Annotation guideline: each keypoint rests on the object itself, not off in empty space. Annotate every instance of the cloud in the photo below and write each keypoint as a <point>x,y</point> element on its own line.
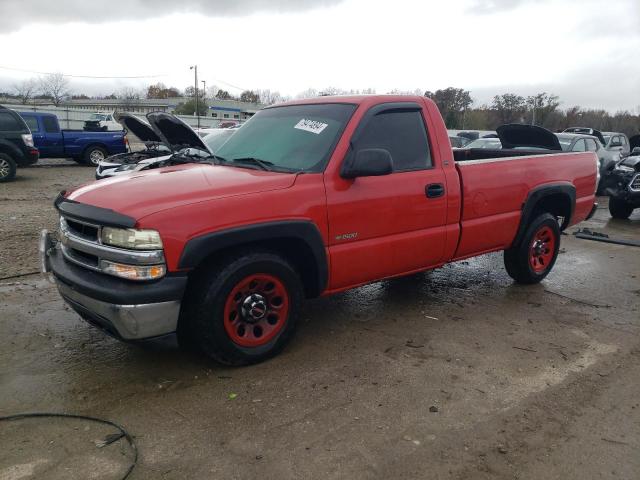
<point>497,6</point>
<point>15,14</point>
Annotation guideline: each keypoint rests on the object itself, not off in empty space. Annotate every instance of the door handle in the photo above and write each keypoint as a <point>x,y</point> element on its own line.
<point>434,190</point>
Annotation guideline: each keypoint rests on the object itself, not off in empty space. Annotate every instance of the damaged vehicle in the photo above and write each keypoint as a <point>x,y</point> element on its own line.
<point>167,138</point>
<point>154,147</point>
<point>622,185</point>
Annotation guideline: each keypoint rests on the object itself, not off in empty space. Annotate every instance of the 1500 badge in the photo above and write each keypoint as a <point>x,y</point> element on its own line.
<point>347,236</point>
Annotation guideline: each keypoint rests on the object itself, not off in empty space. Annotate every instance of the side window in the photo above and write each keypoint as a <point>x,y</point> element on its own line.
<point>32,123</point>
<point>623,140</point>
<point>50,125</point>
<point>8,123</point>
<point>403,134</point>
<point>579,146</point>
<point>591,145</point>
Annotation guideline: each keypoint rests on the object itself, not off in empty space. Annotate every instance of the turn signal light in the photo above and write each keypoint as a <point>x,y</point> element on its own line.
<point>133,272</point>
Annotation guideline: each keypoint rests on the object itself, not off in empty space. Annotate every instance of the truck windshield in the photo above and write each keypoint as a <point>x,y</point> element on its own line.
<point>296,138</point>
<point>98,117</point>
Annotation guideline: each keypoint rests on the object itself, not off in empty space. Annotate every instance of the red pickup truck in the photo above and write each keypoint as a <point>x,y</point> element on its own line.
<point>308,198</point>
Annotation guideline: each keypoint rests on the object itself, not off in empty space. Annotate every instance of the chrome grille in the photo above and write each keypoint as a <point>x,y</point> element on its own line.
<point>83,230</point>
<point>81,244</point>
<point>635,183</point>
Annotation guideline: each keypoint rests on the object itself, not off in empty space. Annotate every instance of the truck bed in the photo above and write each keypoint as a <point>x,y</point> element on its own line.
<point>494,190</point>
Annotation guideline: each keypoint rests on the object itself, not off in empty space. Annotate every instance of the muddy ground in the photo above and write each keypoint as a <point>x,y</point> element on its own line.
<point>453,374</point>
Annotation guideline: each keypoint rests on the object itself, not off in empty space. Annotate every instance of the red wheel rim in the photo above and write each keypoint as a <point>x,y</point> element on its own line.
<point>256,310</point>
<point>542,249</point>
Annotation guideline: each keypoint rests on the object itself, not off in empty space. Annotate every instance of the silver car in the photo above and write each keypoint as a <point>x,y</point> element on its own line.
<point>617,142</point>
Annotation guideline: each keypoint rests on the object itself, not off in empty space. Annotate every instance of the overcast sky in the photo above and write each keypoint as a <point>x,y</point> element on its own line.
<point>586,51</point>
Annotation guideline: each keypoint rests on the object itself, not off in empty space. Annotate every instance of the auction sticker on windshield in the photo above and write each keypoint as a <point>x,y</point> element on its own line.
<point>312,126</point>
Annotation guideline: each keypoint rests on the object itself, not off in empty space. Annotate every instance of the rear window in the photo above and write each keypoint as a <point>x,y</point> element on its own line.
<point>403,134</point>
<point>10,123</point>
<point>32,123</point>
<point>50,125</point>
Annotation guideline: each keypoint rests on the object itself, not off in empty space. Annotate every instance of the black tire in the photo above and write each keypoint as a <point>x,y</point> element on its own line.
<point>619,208</point>
<point>93,155</point>
<point>7,168</point>
<point>202,322</point>
<point>520,259</point>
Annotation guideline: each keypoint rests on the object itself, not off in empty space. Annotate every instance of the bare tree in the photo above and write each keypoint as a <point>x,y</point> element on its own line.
<point>308,93</point>
<point>55,86</point>
<point>129,96</point>
<point>25,90</point>
<point>269,97</point>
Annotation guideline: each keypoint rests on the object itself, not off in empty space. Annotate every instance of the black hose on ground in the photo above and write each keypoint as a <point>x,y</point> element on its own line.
<point>123,432</point>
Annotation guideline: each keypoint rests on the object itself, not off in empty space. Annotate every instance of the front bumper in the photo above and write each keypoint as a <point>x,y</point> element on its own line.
<point>124,309</point>
<point>30,157</point>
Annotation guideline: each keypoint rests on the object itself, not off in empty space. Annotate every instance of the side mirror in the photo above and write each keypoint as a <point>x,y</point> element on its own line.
<point>368,162</point>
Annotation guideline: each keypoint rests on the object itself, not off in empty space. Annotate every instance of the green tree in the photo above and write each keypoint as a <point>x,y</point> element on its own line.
<point>223,95</point>
<point>189,107</point>
<point>452,102</point>
<point>543,105</point>
<point>249,96</point>
<point>509,108</point>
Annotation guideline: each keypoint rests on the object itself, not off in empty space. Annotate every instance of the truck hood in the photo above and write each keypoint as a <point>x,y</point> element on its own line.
<point>146,192</point>
<point>140,129</point>
<point>517,135</point>
<point>632,162</point>
<point>174,132</point>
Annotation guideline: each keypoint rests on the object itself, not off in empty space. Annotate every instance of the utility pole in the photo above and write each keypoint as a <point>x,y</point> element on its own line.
<point>195,69</point>
<point>533,116</point>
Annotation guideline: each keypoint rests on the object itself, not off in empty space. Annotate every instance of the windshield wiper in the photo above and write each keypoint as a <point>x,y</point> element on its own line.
<point>263,164</point>
<point>189,157</point>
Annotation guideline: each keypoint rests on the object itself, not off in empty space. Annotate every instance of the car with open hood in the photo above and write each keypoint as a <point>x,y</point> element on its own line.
<point>154,147</point>
<point>172,139</point>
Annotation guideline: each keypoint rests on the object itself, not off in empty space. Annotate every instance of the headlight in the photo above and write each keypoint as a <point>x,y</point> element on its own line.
<point>126,167</point>
<point>132,238</point>
<point>133,272</point>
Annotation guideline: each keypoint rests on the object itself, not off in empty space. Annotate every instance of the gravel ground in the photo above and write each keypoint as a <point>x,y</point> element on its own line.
<point>453,374</point>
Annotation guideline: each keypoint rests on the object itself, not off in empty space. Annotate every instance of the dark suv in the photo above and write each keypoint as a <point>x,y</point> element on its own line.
<point>16,144</point>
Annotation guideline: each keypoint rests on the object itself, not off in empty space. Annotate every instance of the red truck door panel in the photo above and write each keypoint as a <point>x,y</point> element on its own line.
<point>391,224</point>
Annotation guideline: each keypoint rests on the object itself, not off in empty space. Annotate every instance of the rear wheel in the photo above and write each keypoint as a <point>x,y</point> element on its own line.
<point>94,155</point>
<point>7,168</point>
<point>619,208</point>
<point>243,310</point>
<point>532,260</point>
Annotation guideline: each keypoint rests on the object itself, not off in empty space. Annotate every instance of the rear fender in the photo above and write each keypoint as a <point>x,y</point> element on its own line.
<point>558,199</point>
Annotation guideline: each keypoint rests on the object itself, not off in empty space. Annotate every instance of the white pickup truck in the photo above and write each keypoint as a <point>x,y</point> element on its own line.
<point>101,122</point>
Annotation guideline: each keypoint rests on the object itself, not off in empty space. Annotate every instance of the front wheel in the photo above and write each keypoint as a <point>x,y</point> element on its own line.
<point>243,310</point>
<point>7,168</point>
<point>532,260</point>
<point>94,155</point>
<point>619,208</point>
